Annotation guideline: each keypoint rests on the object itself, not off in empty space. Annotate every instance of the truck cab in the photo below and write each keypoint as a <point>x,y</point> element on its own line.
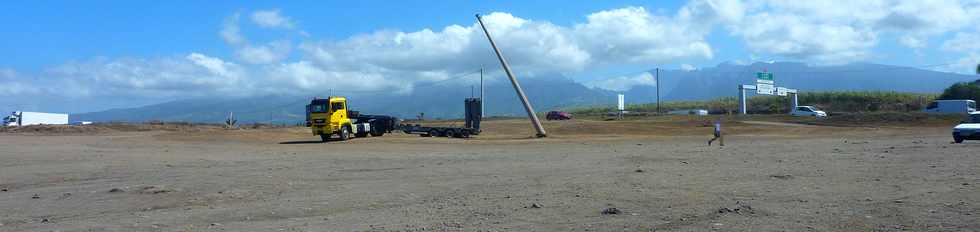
<point>329,116</point>
<point>11,120</point>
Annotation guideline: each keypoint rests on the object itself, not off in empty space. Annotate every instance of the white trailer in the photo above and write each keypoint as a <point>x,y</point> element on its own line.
<point>952,106</point>
<point>19,118</point>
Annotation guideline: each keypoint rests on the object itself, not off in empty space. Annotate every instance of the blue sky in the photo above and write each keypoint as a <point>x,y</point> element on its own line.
<point>105,54</point>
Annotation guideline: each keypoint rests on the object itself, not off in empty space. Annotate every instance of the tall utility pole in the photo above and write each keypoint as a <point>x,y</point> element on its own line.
<point>483,101</point>
<point>657,80</point>
<point>513,81</point>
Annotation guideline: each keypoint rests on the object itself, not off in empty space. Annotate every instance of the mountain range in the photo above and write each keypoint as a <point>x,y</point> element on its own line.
<point>548,93</point>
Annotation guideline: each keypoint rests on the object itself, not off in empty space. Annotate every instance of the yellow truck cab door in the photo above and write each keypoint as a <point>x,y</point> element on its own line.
<point>338,114</point>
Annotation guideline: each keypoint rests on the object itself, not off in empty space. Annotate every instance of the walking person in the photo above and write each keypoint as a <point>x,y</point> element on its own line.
<point>717,134</point>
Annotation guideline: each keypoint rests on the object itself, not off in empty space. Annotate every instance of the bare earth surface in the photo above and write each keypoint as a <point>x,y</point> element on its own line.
<point>658,175</point>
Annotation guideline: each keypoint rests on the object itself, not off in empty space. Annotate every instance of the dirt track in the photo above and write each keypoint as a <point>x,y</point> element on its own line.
<point>660,175</point>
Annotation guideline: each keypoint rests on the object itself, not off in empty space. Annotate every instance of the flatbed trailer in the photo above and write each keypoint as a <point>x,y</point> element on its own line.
<point>471,127</point>
<point>438,131</point>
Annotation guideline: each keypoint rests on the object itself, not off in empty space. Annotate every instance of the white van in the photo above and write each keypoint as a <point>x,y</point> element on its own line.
<point>952,106</point>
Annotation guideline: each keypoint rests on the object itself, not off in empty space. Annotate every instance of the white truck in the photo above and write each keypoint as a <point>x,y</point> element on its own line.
<point>952,107</point>
<point>20,118</point>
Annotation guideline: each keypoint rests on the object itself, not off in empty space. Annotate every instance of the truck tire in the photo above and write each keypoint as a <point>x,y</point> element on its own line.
<point>376,130</point>
<point>957,139</point>
<point>451,133</point>
<point>325,137</point>
<point>464,134</point>
<point>344,133</point>
<point>434,133</point>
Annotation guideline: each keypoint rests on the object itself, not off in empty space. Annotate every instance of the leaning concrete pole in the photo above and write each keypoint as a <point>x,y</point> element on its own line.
<point>513,81</point>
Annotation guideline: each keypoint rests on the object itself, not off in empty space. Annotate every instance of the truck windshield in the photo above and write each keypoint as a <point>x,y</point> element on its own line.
<point>972,104</point>
<point>336,106</point>
<point>319,108</point>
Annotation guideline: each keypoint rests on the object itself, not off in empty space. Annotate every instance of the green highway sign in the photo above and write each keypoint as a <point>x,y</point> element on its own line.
<point>764,76</point>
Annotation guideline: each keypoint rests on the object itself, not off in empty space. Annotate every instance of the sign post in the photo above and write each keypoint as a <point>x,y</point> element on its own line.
<point>622,105</point>
<point>622,102</point>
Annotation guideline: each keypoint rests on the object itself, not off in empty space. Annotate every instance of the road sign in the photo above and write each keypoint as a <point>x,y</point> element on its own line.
<point>766,89</point>
<point>781,91</point>
<point>764,78</point>
<point>622,102</point>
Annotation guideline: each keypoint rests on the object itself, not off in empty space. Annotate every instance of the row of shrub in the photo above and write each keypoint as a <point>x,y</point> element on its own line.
<point>853,101</point>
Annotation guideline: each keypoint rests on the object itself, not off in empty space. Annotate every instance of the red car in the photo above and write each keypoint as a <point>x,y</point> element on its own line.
<point>558,115</point>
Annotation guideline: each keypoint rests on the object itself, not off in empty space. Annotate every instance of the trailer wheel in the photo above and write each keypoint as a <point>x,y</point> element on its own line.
<point>325,137</point>
<point>344,133</point>
<point>434,133</point>
<point>451,133</point>
<point>464,134</point>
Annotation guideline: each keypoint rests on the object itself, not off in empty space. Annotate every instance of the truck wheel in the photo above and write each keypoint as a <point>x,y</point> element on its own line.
<point>958,139</point>
<point>451,133</point>
<point>344,133</point>
<point>325,137</point>
<point>434,133</point>
<point>464,134</point>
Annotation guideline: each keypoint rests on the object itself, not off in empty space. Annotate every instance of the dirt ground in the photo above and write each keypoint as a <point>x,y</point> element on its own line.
<point>635,175</point>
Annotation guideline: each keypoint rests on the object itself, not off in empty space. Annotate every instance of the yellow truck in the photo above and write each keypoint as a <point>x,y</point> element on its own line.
<point>331,116</point>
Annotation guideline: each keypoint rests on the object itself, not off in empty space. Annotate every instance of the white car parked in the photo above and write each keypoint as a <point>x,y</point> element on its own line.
<point>968,130</point>
<point>808,111</point>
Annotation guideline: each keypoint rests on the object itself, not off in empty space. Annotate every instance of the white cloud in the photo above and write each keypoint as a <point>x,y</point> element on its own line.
<point>12,84</point>
<point>819,31</point>
<point>7,73</point>
<point>634,35</point>
<point>271,19</point>
<point>304,76</point>
<point>841,31</point>
<point>265,54</point>
<point>215,66</point>
<point>826,32</point>
<point>963,42</point>
<point>688,67</point>
<point>230,31</point>
<point>967,44</point>
<point>625,83</point>
<point>911,42</point>
<point>192,75</point>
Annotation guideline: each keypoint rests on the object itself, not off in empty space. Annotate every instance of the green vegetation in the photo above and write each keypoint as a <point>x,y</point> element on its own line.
<point>962,90</point>
<point>863,101</point>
